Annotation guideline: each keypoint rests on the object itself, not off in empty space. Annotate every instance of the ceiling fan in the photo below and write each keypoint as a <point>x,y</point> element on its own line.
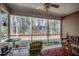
<point>48,5</point>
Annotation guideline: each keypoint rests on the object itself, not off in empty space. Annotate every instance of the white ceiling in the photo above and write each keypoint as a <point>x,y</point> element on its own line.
<point>63,10</point>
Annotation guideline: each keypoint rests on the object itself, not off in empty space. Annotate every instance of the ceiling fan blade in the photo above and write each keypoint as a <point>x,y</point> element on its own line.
<point>54,5</point>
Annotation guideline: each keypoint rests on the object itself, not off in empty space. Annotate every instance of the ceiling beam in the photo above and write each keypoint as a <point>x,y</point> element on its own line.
<point>35,15</point>
<point>4,8</point>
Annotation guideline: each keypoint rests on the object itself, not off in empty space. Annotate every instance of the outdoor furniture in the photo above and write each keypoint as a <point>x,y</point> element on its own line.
<point>13,40</point>
<point>6,50</point>
<point>56,52</point>
<point>18,47</point>
<point>66,45</point>
<point>35,48</point>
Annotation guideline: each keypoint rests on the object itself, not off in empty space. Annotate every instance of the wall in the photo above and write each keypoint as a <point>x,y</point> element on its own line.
<point>70,24</point>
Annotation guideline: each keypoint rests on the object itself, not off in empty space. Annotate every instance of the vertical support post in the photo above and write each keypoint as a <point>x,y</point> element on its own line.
<point>61,29</point>
<point>8,26</point>
<point>61,34</point>
<point>31,29</point>
<point>48,31</point>
<point>0,26</point>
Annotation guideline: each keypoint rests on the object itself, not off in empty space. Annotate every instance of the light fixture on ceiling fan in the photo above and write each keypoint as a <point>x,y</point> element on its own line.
<point>48,5</point>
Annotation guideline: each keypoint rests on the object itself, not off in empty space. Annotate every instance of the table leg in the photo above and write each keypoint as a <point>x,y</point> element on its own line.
<point>13,44</point>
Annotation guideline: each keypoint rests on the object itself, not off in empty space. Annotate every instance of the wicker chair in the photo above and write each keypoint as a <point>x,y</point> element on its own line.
<point>35,48</point>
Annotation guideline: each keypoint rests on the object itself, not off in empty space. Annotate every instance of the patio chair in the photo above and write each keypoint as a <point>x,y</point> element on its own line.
<point>35,48</point>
